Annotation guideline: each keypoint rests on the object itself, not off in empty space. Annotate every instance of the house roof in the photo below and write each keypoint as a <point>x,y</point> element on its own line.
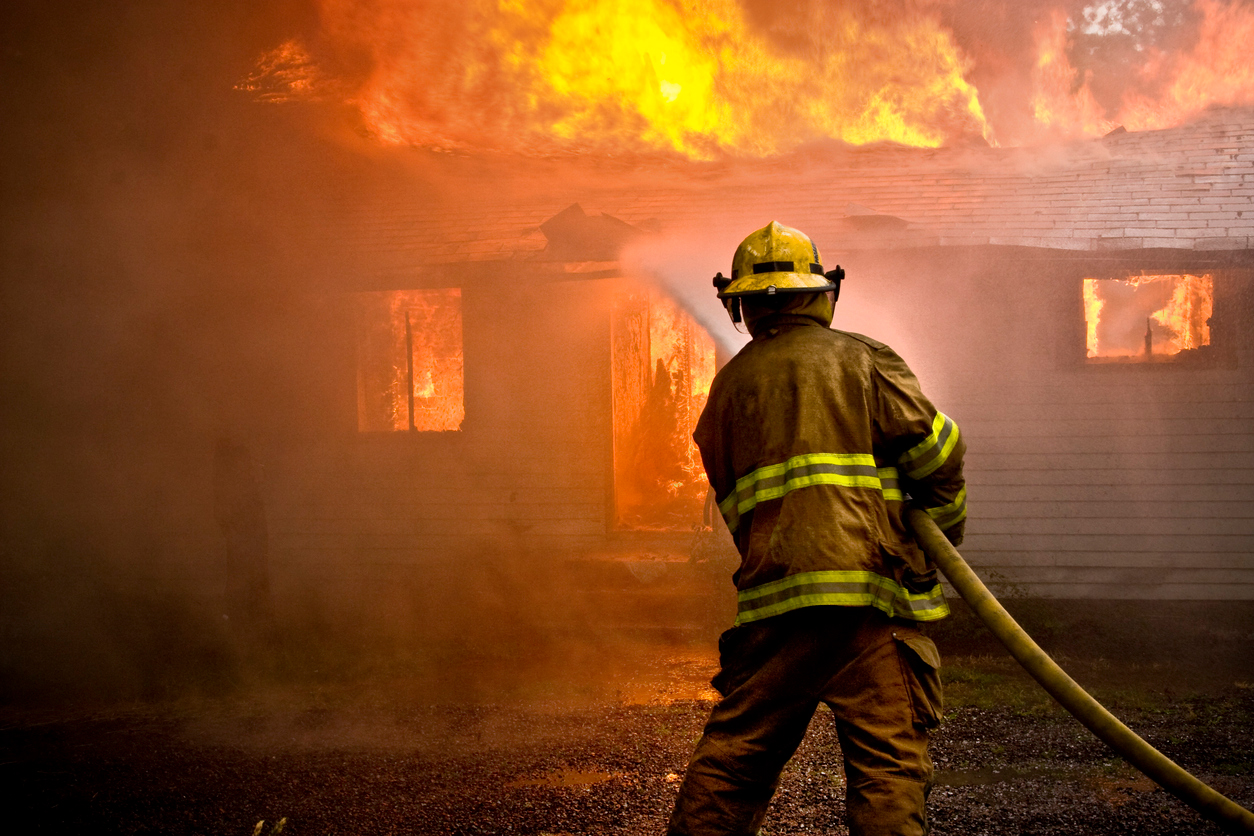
<point>1188,188</point>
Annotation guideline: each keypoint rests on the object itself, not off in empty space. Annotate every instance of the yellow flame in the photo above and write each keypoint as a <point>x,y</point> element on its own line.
<point>424,383</point>
<point>1183,318</point>
<point>691,76</point>
<point>1187,314</point>
<point>1092,315</point>
<point>707,78</point>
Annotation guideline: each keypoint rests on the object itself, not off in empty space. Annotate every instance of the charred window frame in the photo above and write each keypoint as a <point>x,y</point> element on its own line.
<point>1229,299</point>
<point>410,364</point>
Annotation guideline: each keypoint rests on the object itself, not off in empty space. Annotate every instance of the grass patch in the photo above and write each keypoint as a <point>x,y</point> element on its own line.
<point>991,682</point>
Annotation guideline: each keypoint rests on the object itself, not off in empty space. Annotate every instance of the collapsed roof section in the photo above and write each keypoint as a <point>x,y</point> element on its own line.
<point>574,235</point>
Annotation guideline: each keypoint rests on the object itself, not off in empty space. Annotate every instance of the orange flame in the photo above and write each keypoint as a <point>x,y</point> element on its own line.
<point>709,78</point>
<point>1217,70</point>
<point>422,389</point>
<point>1093,305</point>
<point>1119,315</point>
<point>1187,314</point>
<point>285,73</point>
<point>1061,101</point>
<point>663,365</point>
<point>690,76</point>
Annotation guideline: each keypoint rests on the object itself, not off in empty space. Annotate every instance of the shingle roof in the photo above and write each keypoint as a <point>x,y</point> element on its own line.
<point>1190,187</point>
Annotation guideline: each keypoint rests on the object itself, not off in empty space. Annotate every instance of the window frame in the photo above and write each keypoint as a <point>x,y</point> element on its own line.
<point>360,315</point>
<point>1233,289</point>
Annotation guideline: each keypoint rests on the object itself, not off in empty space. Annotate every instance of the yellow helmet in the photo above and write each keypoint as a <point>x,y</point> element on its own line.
<point>776,259</point>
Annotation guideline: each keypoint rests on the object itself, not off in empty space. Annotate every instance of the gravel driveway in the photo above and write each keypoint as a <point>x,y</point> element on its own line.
<point>558,757</point>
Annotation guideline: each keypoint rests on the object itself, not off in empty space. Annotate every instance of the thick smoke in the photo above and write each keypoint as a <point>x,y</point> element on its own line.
<point>147,255</point>
<point>168,333</point>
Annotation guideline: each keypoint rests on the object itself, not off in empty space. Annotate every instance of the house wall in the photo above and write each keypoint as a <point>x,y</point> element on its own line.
<point>1084,481</point>
<point>412,521</point>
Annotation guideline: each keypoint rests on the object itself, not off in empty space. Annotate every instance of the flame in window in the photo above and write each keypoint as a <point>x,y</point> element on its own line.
<point>663,364</point>
<point>409,371</point>
<point>1149,317</point>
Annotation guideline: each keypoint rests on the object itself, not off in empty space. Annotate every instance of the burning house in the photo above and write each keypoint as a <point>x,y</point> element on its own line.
<point>416,305</point>
<point>527,370</point>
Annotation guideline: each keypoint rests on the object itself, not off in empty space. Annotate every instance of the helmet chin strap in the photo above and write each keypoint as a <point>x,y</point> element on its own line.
<point>836,277</point>
<point>734,311</point>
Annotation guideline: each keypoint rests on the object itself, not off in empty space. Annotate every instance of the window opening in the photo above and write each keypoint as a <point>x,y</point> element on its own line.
<point>409,366</point>
<point>662,366</point>
<point>1147,318</point>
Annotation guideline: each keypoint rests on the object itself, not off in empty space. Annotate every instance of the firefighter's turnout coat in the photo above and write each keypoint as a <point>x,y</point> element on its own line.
<point>813,439</point>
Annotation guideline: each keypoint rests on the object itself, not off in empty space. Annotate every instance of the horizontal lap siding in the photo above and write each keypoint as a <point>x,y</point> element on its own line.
<point>1135,576</point>
<point>1144,515</point>
<point>415,518</point>
<point>1060,538</point>
<point>1013,477</point>
<point>1191,590</point>
<point>1124,554</point>
<point>1143,489</point>
<point>1135,483</point>
<point>424,533</point>
<point>1084,480</point>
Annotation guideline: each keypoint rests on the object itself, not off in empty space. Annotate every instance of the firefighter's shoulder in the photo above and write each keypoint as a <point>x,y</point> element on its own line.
<point>873,344</point>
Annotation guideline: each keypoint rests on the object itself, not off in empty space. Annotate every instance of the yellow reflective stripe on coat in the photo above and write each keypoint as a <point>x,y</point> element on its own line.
<point>847,470</point>
<point>932,452</point>
<point>843,588</point>
<point>890,484</point>
<point>951,514</point>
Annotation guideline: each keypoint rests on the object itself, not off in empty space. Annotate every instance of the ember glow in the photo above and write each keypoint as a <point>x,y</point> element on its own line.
<point>409,372</point>
<point>663,364</point>
<point>284,74</point>
<point>1149,317</point>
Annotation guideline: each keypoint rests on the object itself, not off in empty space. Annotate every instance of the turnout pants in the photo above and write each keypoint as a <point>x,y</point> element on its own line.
<point>879,676</point>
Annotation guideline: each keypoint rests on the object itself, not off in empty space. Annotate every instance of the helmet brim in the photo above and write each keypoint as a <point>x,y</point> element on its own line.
<point>775,283</point>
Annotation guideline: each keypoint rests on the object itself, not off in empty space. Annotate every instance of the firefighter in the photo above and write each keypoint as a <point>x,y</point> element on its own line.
<point>813,440</point>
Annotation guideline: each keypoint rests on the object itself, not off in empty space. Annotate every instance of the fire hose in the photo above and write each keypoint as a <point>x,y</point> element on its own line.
<point>1230,816</point>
